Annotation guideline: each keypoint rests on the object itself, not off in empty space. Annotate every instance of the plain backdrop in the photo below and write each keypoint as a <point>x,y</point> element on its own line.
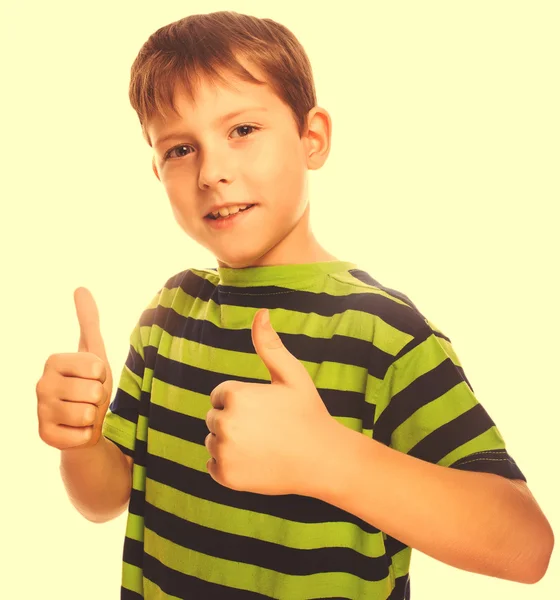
<point>442,183</point>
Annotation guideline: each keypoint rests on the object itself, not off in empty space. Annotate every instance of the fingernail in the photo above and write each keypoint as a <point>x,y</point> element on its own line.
<point>266,318</point>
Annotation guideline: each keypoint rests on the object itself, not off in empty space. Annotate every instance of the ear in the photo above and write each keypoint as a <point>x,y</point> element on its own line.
<point>154,168</point>
<point>318,137</point>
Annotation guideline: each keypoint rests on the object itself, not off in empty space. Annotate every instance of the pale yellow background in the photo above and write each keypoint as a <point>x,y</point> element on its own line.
<point>442,183</point>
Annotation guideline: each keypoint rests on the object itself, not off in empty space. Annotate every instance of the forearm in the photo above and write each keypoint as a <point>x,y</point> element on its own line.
<point>478,522</point>
<point>97,479</point>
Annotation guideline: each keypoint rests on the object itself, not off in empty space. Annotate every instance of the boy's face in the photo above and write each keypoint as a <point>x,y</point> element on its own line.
<point>255,157</point>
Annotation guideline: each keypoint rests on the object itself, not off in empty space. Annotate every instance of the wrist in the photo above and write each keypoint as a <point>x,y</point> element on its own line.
<point>83,454</point>
<point>329,465</point>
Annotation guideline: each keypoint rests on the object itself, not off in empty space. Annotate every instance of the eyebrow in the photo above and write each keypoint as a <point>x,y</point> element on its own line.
<point>218,121</point>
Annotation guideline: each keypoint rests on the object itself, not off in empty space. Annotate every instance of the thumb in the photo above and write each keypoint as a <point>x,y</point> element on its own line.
<point>283,366</point>
<point>88,318</point>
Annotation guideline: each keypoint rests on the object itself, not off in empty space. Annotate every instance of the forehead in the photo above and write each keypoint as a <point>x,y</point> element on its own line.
<point>209,99</point>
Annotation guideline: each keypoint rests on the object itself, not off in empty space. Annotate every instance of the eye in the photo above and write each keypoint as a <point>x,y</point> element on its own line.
<point>245,127</point>
<point>169,153</point>
<point>180,151</point>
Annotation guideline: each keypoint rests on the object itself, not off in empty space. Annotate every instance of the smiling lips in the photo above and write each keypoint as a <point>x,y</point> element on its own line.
<point>226,222</point>
<point>225,211</point>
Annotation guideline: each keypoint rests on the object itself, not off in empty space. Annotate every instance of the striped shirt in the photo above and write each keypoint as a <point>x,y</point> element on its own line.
<point>380,367</point>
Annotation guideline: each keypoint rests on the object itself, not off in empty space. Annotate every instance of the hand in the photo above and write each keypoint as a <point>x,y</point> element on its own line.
<point>268,438</point>
<point>75,389</point>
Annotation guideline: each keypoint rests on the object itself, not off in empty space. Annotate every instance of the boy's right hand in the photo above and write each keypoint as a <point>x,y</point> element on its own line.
<point>75,389</point>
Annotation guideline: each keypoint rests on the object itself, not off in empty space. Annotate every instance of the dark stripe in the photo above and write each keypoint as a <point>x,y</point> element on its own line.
<point>133,553</point>
<point>393,546</point>
<point>125,405</point>
<point>124,449</point>
<point>174,583</point>
<point>140,452</point>
<point>498,462</point>
<point>128,595</point>
<point>421,391</point>
<point>402,317</point>
<point>421,337</point>
<point>401,591</point>
<point>276,557</point>
<point>137,503</point>
<point>365,277</point>
<point>135,362</point>
<point>341,349</point>
<point>339,403</point>
<point>188,587</point>
<point>448,437</point>
<point>301,509</point>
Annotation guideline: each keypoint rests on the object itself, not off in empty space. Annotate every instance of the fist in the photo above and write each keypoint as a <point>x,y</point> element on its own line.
<point>269,438</point>
<point>74,392</point>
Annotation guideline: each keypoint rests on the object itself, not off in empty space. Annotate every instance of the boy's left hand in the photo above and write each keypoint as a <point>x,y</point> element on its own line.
<point>269,438</point>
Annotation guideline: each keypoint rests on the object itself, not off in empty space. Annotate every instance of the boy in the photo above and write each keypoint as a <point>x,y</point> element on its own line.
<point>257,465</point>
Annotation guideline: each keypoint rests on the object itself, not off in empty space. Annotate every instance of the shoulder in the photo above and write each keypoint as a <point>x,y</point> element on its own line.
<point>390,306</point>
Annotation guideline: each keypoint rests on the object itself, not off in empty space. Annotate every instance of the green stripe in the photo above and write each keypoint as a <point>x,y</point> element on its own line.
<point>179,451</point>
<point>489,439</point>
<point>132,578</point>
<point>142,430</point>
<point>258,579</point>
<point>431,416</point>
<point>119,430</point>
<point>154,592</point>
<point>354,324</point>
<point>401,562</point>
<point>197,405</point>
<point>242,364</point>
<point>130,383</point>
<point>138,477</point>
<point>301,536</point>
<point>135,527</point>
<point>420,360</point>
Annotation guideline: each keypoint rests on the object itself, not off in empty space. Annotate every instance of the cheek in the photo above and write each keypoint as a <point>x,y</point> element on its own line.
<point>178,191</point>
<point>280,170</point>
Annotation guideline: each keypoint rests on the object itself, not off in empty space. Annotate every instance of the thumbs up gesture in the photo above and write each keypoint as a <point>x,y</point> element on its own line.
<point>268,438</point>
<point>75,389</point>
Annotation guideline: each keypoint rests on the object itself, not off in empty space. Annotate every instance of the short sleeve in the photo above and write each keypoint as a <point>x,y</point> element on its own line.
<point>426,407</point>
<point>121,421</point>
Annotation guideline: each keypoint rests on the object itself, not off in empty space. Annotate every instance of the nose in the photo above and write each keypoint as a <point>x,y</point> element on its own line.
<point>214,169</point>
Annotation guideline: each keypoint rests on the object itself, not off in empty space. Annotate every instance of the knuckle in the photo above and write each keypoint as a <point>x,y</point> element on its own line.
<point>97,392</point>
<point>44,387</point>
<point>88,417</point>
<point>87,436</point>
<point>97,368</point>
<point>45,433</point>
<point>50,361</point>
<point>42,433</point>
<point>222,426</point>
<point>41,413</point>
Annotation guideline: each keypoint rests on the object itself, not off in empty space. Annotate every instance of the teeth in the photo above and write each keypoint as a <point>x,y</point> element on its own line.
<point>231,210</point>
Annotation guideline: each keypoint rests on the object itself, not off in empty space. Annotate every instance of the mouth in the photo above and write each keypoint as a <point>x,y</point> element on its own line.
<point>211,217</point>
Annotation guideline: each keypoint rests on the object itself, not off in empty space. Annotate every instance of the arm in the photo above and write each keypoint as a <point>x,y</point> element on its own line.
<point>98,479</point>
<point>478,522</point>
